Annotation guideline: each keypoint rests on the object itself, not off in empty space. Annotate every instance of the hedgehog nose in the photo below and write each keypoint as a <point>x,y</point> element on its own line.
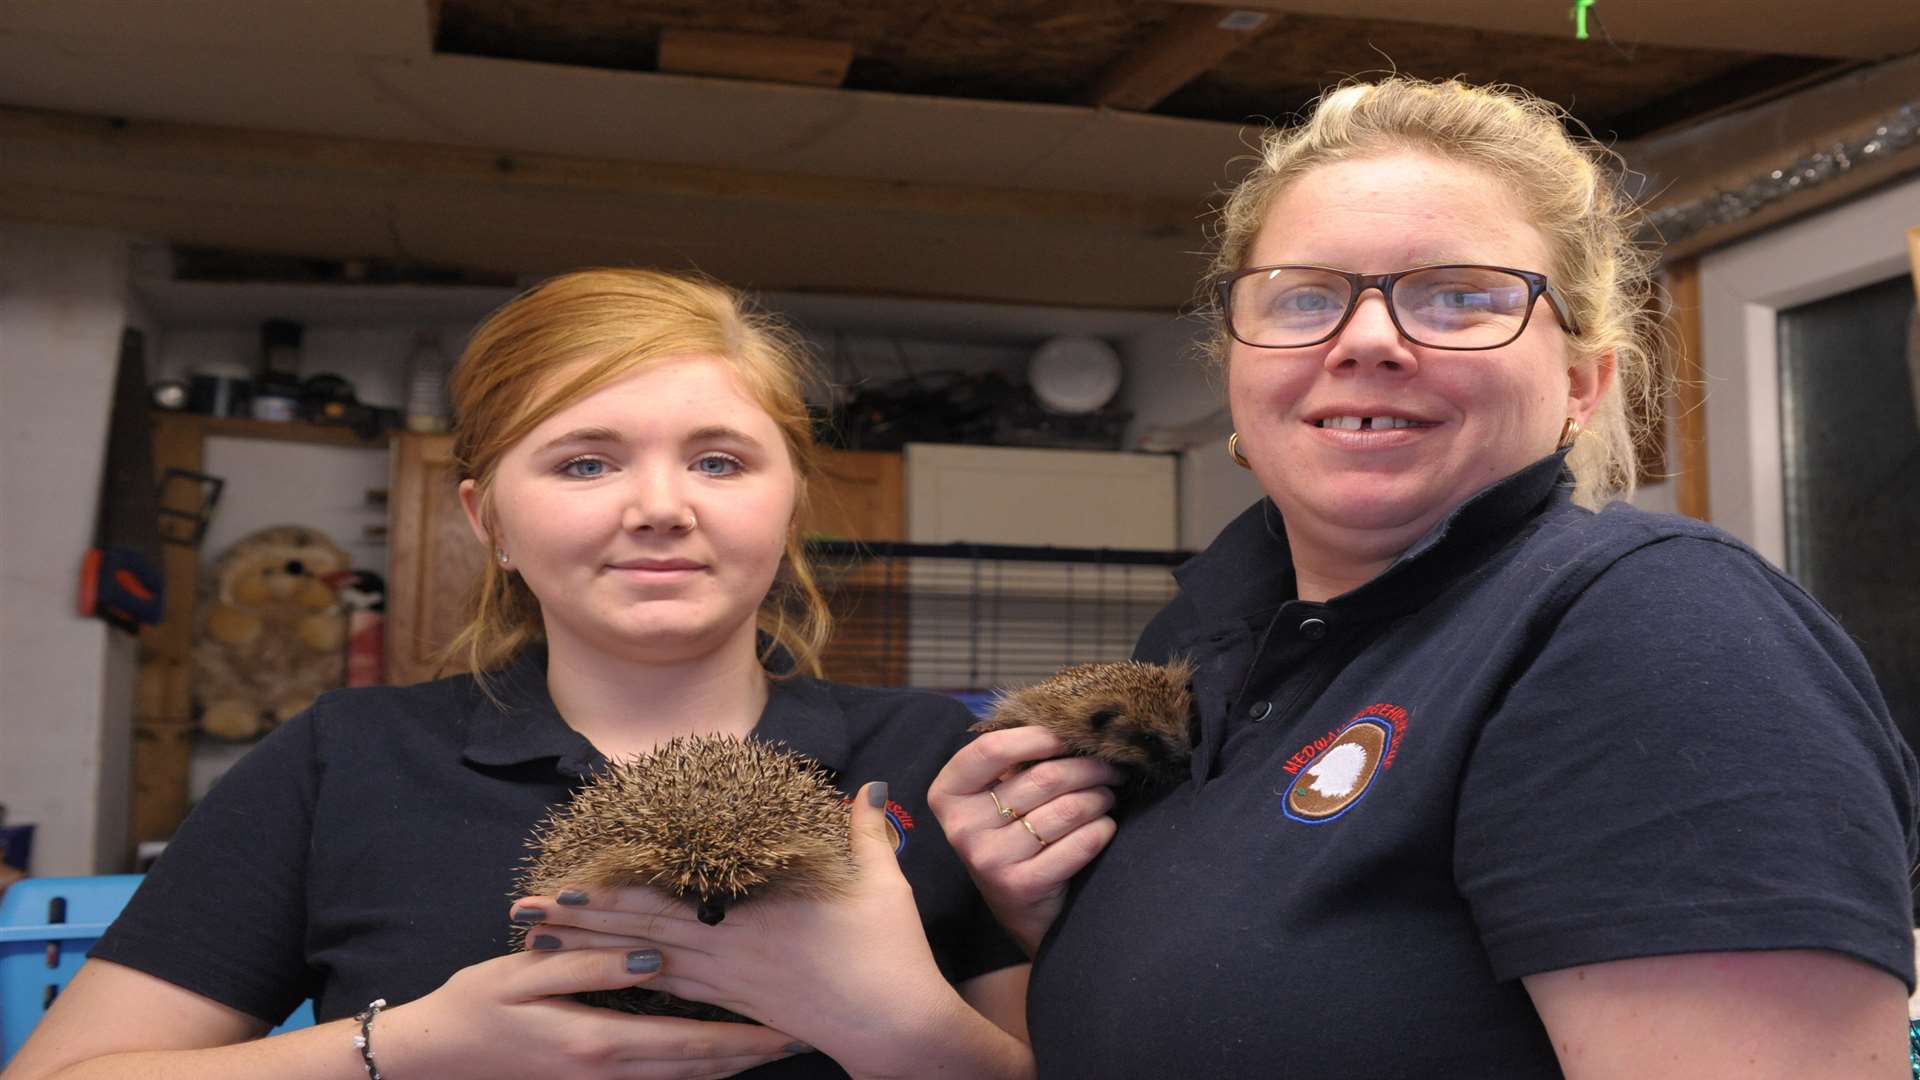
<point>712,911</point>
<point>296,567</point>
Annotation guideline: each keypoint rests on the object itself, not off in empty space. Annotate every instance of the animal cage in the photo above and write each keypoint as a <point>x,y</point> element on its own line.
<point>970,617</point>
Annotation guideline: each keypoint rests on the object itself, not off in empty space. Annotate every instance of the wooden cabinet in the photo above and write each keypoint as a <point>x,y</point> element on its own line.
<point>858,495</point>
<point>434,558</point>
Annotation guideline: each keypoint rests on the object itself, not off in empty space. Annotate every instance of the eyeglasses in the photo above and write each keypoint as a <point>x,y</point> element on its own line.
<point>1440,307</point>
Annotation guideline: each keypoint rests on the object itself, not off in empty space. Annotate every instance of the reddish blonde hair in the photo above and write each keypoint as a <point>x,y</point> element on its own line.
<point>612,323</point>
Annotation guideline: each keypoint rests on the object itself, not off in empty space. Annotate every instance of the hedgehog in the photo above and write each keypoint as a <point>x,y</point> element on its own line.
<point>712,819</point>
<point>1137,716</point>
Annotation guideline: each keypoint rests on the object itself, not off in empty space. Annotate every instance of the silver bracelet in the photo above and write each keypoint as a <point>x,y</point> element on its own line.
<point>363,1042</point>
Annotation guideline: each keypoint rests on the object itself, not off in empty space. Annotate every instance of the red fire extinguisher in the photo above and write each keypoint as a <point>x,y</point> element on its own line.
<point>365,598</point>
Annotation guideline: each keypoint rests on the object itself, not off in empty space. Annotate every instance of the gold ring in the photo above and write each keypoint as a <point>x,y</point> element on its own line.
<point>1028,825</point>
<point>1007,813</point>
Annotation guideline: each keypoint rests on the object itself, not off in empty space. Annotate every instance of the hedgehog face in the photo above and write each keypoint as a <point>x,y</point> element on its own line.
<point>711,819</point>
<point>286,566</point>
<point>1149,737</point>
<point>1138,716</point>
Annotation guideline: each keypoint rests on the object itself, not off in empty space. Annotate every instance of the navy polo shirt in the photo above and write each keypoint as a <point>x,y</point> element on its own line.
<point>1542,738</point>
<point>368,848</point>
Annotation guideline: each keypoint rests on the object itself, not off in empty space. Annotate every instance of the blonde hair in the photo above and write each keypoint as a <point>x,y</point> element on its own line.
<point>616,322</point>
<point>1570,195</point>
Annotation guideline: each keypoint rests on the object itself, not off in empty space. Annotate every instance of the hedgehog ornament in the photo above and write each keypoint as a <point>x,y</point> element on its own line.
<point>270,635</point>
<point>712,819</point>
<point>1137,716</point>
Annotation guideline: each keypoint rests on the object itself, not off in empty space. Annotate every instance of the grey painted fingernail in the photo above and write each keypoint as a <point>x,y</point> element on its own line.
<point>545,942</point>
<point>797,1048</point>
<point>642,961</point>
<point>526,916</point>
<point>572,897</point>
<point>877,793</point>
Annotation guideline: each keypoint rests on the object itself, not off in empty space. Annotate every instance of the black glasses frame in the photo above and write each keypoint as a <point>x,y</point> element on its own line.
<point>1537,286</point>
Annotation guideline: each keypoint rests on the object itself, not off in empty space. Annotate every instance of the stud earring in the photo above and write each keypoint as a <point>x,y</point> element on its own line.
<point>502,553</point>
<point>1233,451</point>
<point>1569,433</point>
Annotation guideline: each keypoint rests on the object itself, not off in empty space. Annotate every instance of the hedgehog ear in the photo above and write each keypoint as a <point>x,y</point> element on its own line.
<point>1100,718</point>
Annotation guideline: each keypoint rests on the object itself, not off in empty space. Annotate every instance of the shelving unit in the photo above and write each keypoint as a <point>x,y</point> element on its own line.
<point>163,709</point>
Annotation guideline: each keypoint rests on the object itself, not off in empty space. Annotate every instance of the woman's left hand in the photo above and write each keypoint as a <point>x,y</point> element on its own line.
<point>853,976</point>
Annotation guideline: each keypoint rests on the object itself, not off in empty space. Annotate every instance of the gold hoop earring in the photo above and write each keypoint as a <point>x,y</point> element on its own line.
<point>1569,433</point>
<point>1233,451</point>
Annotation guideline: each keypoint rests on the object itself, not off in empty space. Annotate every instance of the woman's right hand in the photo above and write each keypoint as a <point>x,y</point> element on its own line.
<point>511,1017</point>
<point>1054,822</point>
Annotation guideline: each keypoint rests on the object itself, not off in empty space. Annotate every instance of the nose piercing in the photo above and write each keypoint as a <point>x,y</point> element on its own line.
<point>692,521</point>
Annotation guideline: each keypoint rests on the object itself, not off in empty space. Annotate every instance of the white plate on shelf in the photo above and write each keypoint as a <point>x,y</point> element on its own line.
<point>1074,374</point>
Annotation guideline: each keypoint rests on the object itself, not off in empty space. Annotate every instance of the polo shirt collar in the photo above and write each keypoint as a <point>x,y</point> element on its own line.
<point>1247,571</point>
<point>525,727</point>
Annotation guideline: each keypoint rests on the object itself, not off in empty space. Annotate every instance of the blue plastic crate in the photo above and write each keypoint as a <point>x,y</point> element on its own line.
<point>979,702</point>
<point>46,927</point>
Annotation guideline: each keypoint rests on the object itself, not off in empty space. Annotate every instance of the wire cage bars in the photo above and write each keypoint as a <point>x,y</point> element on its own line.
<point>983,616</point>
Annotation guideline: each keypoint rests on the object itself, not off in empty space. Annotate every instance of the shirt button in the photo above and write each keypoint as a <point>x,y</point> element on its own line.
<point>1259,710</point>
<point>1313,629</point>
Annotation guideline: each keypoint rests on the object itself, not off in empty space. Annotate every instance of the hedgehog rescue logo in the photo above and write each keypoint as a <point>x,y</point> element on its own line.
<point>1332,772</point>
<point>899,823</point>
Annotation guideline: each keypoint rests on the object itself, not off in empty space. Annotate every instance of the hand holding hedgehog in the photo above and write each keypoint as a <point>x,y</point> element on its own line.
<point>1023,817</point>
<point>816,970</point>
<point>708,819</point>
<point>1137,716</point>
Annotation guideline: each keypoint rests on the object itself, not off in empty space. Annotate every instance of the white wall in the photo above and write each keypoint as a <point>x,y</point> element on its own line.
<point>1169,388</point>
<point>66,682</point>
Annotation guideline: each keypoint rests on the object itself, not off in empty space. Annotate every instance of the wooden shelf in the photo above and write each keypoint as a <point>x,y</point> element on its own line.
<point>283,430</point>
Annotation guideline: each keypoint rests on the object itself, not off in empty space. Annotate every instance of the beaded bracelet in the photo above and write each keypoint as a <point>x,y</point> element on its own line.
<point>363,1042</point>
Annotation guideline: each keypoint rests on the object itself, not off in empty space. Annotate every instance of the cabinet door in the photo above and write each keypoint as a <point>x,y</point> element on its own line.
<point>859,495</point>
<point>434,560</point>
<point>1061,498</point>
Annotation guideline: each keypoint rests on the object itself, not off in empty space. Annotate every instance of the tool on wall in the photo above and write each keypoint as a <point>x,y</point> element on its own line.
<point>120,577</point>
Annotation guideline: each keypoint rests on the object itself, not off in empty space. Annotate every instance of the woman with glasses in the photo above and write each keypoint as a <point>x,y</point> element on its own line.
<point>1493,774</point>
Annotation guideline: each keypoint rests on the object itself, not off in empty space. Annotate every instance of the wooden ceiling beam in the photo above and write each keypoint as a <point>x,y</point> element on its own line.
<point>147,142</point>
<point>1726,153</point>
<point>1861,30</point>
<point>454,207</point>
<point>1192,42</point>
<point>761,57</point>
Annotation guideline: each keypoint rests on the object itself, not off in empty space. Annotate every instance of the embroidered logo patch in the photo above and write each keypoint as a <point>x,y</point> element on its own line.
<point>898,822</point>
<point>1335,770</point>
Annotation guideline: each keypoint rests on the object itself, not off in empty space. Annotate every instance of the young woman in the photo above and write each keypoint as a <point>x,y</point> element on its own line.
<point>636,452</point>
